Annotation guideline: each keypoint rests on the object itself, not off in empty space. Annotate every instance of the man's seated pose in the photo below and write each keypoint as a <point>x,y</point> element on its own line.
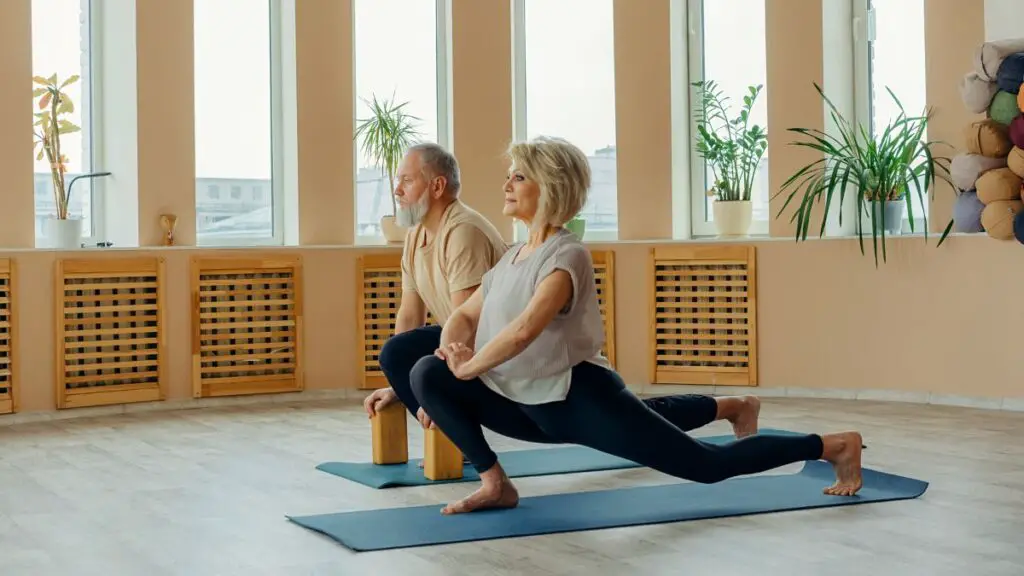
<point>522,357</point>
<point>447,251</point>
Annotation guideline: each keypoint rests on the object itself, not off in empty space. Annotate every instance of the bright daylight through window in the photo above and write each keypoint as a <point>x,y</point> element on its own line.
<point>730,51</point>
<point>897,62</point>
<point>234,130</point>
<point>61,58</point>
<point>396,70</point>
<point>569,75</point>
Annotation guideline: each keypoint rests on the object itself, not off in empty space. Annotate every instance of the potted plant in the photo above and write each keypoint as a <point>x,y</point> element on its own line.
<point>386,134</point>
<point>51,123</point>
<point>882,172</point>
<point>733,151</point>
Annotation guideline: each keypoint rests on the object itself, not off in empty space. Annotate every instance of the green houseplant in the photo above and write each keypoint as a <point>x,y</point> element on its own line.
<point>881,172</point>
<point>387,133</point>
<point>53,106</point>
<point>733,150</point>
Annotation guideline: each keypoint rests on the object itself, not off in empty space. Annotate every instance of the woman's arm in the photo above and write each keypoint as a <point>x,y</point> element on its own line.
<point>461,326</point>
<point>551,296</point>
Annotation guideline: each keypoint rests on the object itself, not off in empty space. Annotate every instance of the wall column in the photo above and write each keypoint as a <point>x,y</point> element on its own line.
<point>17,203</point>
<point>793,37</point>
<point>953,30</point>
<point>481,107</point>
<point>643,119</point>
<point>166,106</point>
<point>326,106</point>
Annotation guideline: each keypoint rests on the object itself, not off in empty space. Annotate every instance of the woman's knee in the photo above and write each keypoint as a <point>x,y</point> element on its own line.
<point>428,375</point>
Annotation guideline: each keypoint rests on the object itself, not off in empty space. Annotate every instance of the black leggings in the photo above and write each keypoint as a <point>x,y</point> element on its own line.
<point>599,412</point>
<point>402,351</point>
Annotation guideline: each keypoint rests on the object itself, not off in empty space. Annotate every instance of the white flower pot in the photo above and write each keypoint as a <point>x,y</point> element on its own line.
<point>63,234</point>
<point>393,233</point>
<point>732,218</point>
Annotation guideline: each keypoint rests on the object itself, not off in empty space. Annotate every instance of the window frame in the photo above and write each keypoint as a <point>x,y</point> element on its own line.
<point>700,226</point>
<point>519,114</point>
<point>442,58</point>
<point>863,55</point>
<point>91,124</point>
<point>277,144</point>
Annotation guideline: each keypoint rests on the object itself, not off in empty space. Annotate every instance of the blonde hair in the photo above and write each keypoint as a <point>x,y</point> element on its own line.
<point>562,172</point>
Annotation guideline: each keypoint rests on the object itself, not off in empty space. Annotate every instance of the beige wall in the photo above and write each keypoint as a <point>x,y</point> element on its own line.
<point>828,318</point>
<point>928,321</point>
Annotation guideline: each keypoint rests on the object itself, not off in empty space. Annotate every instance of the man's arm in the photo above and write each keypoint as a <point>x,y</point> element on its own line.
<point>461,326</point>
<point>412,312</point>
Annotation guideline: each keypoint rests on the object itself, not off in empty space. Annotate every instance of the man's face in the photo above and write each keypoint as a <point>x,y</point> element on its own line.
<point>412,190</point>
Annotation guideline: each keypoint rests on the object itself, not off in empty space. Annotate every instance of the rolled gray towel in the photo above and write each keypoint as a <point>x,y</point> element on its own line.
<point>965,169</point>
<point>990,55</point>
<point>977,93</point>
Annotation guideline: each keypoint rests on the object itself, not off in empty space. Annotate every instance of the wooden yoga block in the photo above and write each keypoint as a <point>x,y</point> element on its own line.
<point>390,438</point>
<point>442,460</point>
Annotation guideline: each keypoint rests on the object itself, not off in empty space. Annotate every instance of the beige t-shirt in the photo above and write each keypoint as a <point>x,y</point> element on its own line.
<point>465,247</point>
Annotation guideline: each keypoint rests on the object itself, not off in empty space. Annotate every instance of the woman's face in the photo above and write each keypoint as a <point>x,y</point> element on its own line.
<point>521,196</point>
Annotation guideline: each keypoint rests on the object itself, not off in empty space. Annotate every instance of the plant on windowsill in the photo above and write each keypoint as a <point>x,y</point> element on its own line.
<point>50,124</point>
<point>387,133</point>
<point>733,151</point>
<point>880,170</point>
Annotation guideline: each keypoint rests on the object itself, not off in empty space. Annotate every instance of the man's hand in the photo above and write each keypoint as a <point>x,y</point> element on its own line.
<point>379,400</point>
<point>425,420</point>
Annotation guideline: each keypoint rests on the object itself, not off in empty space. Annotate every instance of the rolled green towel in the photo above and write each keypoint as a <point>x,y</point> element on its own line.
<point>1004,108</point>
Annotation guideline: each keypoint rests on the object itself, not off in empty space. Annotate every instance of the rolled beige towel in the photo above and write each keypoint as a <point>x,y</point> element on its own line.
<point>990,55</point>
<point>988,138</point>
<point>977,93</point>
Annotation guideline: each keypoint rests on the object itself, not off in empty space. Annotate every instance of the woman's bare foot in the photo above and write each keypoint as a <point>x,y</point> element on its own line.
<point>497,491</point>
<point>843,450</point>
<point>742,412</point>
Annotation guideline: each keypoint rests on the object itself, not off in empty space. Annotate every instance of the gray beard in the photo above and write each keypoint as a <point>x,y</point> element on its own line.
<point>413,215</point>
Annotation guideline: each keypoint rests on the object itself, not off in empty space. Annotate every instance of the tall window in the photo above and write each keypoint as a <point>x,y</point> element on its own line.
<point>61,49</point>
<point>730,50</point>
<point>236,102</point>
<point>565,82</point>
<point>398,59</point>
<point>895,60</point>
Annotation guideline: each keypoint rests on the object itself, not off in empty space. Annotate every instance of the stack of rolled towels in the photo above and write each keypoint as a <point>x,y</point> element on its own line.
<point>990,174</point>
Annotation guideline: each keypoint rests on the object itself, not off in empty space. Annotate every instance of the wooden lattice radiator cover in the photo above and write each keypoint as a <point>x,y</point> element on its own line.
<point>246,325</point>
<point>379,294</point>
<point>7,403</point>
<point>110,331</point>
<point>703,303</point>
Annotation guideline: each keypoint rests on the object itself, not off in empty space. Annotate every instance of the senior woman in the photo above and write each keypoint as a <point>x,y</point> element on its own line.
<point>522,357</point>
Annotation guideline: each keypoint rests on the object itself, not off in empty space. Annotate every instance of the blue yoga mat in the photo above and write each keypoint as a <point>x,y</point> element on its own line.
<point>424,525</point>
<point>517,464</point>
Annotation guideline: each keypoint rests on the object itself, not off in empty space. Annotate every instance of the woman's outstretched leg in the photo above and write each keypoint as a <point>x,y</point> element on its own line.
<point>629,429</point>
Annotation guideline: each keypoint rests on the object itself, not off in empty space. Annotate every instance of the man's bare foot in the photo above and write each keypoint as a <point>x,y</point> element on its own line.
<point>843,450</point>
<point>744,422</point>
<point>490,496</point>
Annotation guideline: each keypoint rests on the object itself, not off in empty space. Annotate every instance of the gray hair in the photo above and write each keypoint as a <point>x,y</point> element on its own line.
<point>439,162</point>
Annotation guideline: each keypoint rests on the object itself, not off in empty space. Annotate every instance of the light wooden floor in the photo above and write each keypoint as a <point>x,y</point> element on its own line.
<point>205,492</point>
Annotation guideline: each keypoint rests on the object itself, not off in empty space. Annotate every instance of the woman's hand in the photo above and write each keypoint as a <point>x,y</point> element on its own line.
<point>457,355</point>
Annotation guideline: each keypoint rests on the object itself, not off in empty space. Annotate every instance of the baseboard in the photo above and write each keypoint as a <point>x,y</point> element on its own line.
<point>306,396</point>
<point>1012,404</point>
